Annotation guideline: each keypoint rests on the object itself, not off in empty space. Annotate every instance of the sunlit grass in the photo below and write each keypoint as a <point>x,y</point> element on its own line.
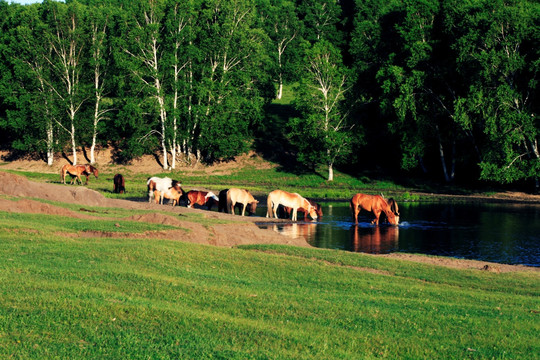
<point>135,299</point>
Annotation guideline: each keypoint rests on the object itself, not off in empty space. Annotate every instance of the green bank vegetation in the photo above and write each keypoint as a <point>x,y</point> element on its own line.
<point>70,297</point>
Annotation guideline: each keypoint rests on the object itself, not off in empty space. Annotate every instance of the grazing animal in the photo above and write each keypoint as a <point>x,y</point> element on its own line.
<point>286,211</point>
<point>171,194</point>
<point>244,197</point>
<point>119,184</point>
<point>201,198</point>
<point>294,201</point>
<point>161,185</point>
<point>374,204</point>
<point>75,171</point>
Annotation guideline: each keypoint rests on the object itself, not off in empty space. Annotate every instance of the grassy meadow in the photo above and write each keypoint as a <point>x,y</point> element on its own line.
<point>68,297</point>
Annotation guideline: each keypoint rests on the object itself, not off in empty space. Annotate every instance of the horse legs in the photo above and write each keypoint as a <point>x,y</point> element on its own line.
<point>377,214</point>
<point>294,214</point>
<point>243,209</point>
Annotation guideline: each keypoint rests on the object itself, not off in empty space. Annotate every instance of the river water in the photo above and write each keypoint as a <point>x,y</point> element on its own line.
<point>501,233</point>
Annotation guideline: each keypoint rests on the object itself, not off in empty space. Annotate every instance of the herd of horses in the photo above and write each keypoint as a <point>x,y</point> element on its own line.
<point>281,204</point>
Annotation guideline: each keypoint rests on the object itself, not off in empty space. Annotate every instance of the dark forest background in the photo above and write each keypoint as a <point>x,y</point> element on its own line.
<point>443,89</point>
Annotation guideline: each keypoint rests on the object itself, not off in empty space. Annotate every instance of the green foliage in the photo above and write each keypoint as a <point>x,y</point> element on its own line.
<point>446,87</point>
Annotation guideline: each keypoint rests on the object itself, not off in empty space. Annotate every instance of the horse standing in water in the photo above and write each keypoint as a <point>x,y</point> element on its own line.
<point>285,211</point>
<point>374,204</point>
<point>119,184</point>
<point>244,197</point>
<point>201,198</point>
<point>294,201</point>
<point>75,171</point>
<point>159,186</point>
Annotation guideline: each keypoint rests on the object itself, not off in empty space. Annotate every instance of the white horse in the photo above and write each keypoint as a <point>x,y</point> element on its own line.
<point>160,185</point>
<point>292,200</point>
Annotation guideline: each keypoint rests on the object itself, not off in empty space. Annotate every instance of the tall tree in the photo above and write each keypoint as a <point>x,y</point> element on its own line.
<point>35,112</point>
<point>66,60</point>
<point>323,133</point>
<point>498,48</point>
<point>100,57</point>
<point>145,47</point>
<point>281,24</point>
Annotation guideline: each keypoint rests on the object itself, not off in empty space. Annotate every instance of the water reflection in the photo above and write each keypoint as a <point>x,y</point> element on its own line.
<point>491,232</point>
<point>296,230</point>
<point>375,240</point>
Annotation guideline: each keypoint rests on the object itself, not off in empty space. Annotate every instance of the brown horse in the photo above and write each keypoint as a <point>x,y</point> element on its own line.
<point>244,197</point>
<point>292,200</point>
<point>374,204</point>
<point>75,171</point>
<point>286,211</point>
<point>119,184</point>
<point>201,198</point>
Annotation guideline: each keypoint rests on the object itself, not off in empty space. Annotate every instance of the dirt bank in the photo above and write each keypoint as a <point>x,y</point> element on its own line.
<point>242,230</point>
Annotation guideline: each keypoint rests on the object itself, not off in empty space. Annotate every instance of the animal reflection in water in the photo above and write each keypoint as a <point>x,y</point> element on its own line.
<point>75,171</point>
<point>375,204</point>
<point>374,240</point>
<point>296,230</point>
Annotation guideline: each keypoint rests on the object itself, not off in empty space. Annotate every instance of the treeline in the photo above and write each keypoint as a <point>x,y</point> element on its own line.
<point>446,87</point>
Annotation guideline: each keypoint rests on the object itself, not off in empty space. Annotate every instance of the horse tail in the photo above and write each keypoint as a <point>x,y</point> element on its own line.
<point>270,210</point>
<point>228,206</point>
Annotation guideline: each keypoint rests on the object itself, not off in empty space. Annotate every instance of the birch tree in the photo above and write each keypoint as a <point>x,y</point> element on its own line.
<point>280,20</point>
<point>35,116</point>
<point>228,77</point>
<point>98,22</point>
<point>145,48</point>
<point>67,44</point>
<point>323,133</point>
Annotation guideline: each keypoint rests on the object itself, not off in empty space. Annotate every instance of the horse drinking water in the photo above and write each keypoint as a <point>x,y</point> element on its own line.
<point>292,200</point>
<point>374,204</point>
<point>285,212</point>
<point>75,171</point>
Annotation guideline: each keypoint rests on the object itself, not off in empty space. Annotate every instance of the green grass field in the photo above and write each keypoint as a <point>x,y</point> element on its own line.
<point>65,297</point>
<point>68,297</point>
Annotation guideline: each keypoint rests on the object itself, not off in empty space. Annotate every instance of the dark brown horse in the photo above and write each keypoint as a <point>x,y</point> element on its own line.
<point>285,212</point>
<point>201,198</point>
<point>119,184</point>
<point>75,171</point>
<point>374,204</point>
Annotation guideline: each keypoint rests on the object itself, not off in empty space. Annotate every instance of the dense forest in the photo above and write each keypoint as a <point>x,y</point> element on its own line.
<point>446,88</point>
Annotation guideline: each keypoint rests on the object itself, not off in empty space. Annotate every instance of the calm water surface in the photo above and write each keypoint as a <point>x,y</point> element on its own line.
<point>500,233</point>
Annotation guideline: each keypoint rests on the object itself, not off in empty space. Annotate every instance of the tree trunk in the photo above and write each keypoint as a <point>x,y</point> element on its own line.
<point>50,144</point>
<point>330,172</point>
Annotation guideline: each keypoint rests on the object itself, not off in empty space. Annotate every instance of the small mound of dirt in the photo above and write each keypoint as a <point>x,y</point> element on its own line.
<point>15,185</point>
<point>36,207</point>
